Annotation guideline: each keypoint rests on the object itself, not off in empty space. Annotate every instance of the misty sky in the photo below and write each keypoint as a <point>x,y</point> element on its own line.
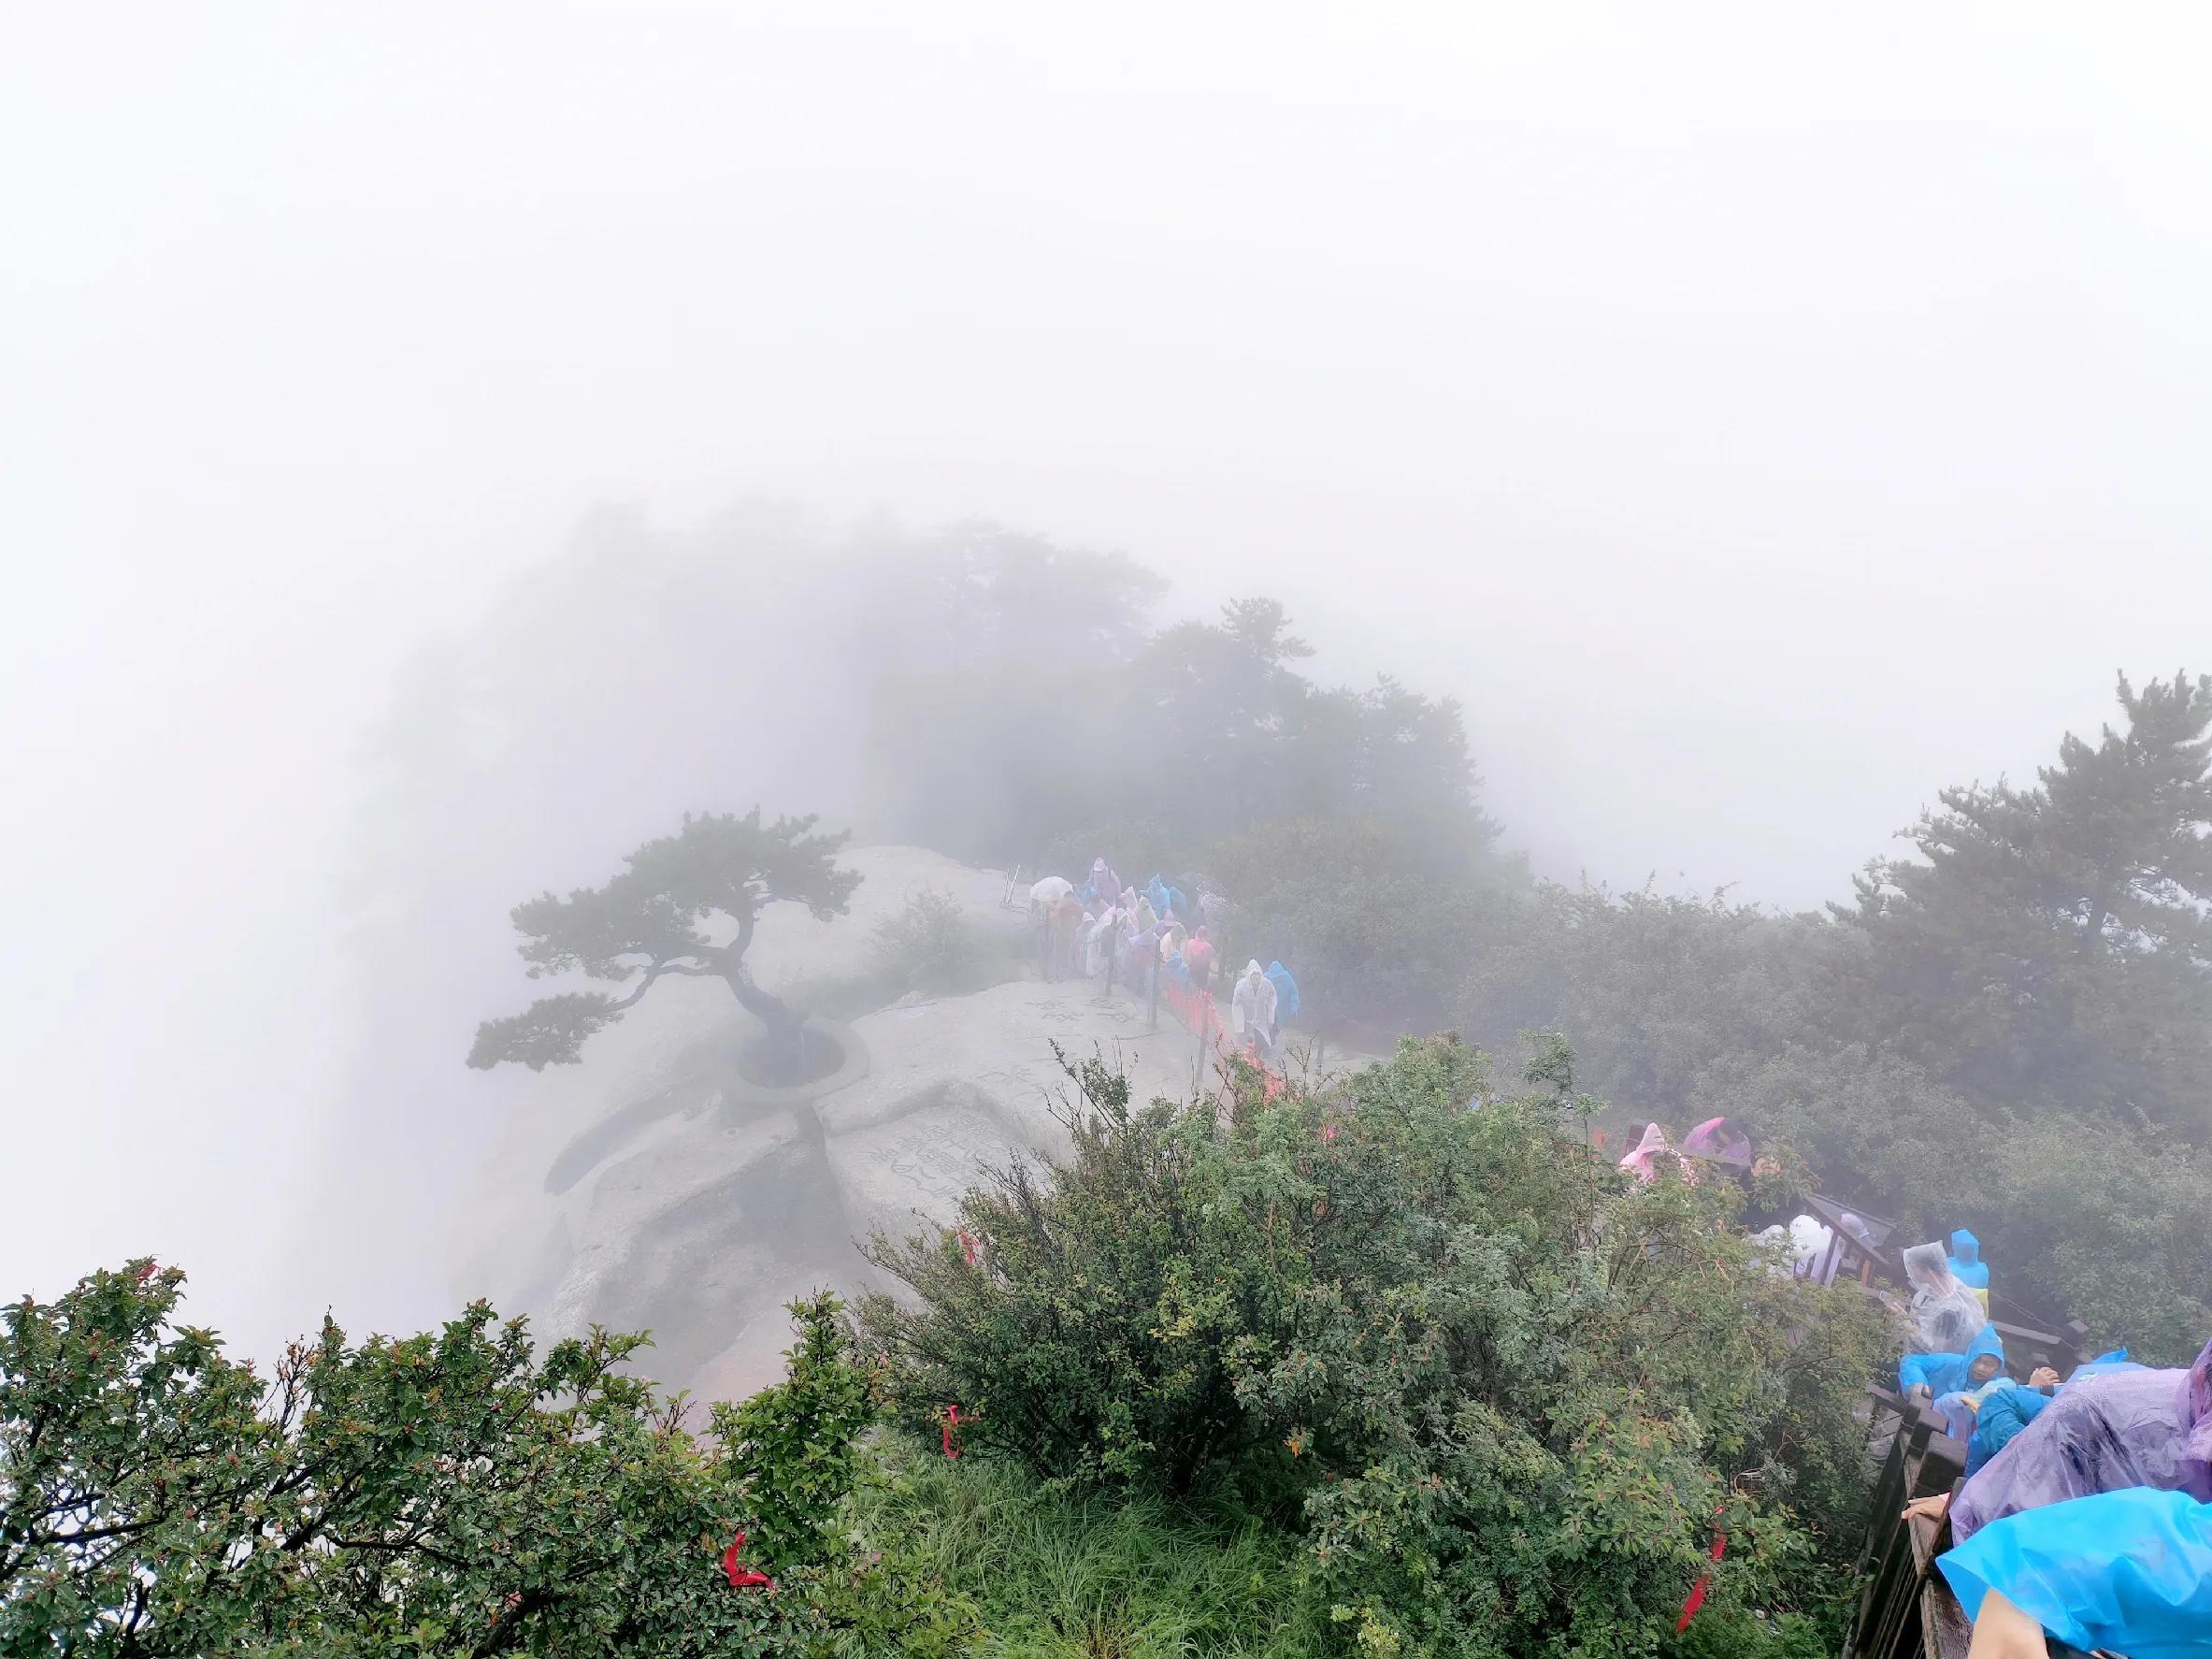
<point>1758,418</point>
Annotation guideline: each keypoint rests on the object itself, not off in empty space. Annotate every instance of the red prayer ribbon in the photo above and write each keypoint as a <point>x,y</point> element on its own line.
<point>742,1578</point>
<point>951,1421</point>
<point>1697,1591</point>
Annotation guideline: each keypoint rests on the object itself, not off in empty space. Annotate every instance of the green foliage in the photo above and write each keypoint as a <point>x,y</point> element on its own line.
<point>1080,1576</point>
<point>2107,1225</point>
<point>646,922</point>
<point>2099,1224</point>
<point>1651,988</point>
<point>1064,721</point>
<point>1979,1046</point>
<point>2049,946</point>
<point>1376,929</point>
<point>448,1493</point>
<point>928,946</point>
<point>1508,1392</point>
<point>1732,1633</point>
<point>1239,737</point>
<point>1879,1131</point>
<point>1020,737</point>
<point>1091,1348</point>
<point>796,1444</point>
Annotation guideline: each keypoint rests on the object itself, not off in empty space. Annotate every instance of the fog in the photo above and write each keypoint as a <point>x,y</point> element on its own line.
<point>1759,420</point>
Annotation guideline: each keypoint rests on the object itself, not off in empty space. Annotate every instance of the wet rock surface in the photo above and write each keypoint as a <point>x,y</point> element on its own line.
<point>653,1188</point>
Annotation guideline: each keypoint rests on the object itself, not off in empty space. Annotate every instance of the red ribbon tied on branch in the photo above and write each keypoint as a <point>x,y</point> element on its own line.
<point>951,1421</point>
<point>1697,1591</point>
<point>742,1578</point>
<point>968,1245</point>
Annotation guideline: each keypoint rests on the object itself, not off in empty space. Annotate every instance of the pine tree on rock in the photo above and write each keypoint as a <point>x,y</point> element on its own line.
<point>2055,947</point>
<point>645,923</point>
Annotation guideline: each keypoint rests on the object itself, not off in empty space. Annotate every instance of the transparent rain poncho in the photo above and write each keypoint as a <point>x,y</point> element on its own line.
<point>1946,1315</point>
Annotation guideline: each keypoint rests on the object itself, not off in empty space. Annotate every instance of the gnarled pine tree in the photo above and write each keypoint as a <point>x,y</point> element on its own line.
<point>645,923</point>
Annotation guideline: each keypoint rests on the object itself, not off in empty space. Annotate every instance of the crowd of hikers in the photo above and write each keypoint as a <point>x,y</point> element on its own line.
<point>2086,1510</point>
<point>1118,933</point>
<point>2085,1513</point>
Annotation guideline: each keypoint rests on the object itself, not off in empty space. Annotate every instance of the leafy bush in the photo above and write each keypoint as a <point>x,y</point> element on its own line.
<point>1505,1394</point>
<point>2109,1226</point>
<point>1685,1009</point>
<point>1377,929</point>
<point>930,946</point>
<point>448,1491</point>
<point>1092,1346</point>
<point>1652,988</point>
<point>1732,1633</point>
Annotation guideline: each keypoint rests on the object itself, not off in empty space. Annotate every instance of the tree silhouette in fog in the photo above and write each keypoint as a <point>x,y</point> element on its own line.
<point>645,923</point>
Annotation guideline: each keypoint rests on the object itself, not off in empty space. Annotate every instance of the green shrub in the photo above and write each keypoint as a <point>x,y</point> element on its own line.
<point>930,946</point>
<point>1730,1633</point>
<point>2107,1224</point>
<point>795,1443</point>
<point>1378,928</point>
<point>453,1492</point>
<point>1097,1346</point>
<point>1504,1393</point>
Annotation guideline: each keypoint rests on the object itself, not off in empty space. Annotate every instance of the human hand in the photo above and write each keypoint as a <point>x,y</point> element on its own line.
<point>2043,1377</point>
<point>1928,1509</point>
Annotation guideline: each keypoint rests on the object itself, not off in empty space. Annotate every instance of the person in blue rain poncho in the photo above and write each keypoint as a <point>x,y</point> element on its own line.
<point>2004,1413</point>
<point>1968,1267</point>
<point>2006,1407</point>
<point>1286,993</point>
<point>1944,1375</point>
<point>2125,1571</point>
<point>1165,899</point>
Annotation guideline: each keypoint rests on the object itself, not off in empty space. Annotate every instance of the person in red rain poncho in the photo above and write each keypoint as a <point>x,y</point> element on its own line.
<point>1198,955</point>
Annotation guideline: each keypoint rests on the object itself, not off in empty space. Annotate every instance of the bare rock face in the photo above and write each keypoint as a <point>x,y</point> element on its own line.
<point>653,1188</point>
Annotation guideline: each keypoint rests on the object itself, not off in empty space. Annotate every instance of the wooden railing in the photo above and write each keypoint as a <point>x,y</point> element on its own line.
<point>1906,1610</point>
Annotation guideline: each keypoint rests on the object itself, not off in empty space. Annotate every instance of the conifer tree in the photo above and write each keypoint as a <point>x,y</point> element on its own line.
<point>2052,945</point>
<point>645,922</point>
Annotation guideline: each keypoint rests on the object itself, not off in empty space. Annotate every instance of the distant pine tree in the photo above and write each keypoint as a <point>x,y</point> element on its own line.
<point>645,923</point>
<point>2053,946</point>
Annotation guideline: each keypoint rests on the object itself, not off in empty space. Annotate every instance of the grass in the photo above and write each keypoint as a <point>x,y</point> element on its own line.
<point>1094,1577</point>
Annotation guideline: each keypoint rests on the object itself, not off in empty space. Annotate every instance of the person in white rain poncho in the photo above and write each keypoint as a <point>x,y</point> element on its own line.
<point>1044,903</point>
<point>1098,944</point>
<point>1251,1009</point>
